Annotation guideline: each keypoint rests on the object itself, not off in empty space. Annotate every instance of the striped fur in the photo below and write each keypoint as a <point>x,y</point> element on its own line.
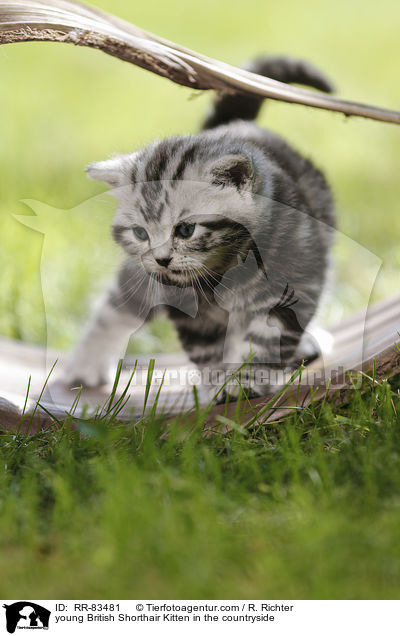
<point>233,212</point>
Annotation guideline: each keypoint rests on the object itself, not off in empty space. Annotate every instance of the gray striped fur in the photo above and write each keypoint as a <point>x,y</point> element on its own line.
<point>262,219</point>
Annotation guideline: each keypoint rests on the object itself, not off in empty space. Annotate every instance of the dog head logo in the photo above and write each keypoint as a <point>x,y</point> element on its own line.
<point>26,615</point>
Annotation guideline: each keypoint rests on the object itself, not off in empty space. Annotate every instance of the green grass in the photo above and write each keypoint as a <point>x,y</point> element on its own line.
<point>306,508</point>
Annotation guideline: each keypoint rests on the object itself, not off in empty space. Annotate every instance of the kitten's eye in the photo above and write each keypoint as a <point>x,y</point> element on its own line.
<point>140,233</point>
<point>185,230</point>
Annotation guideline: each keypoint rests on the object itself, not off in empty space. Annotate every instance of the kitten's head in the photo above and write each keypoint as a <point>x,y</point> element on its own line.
<point>187,208</point>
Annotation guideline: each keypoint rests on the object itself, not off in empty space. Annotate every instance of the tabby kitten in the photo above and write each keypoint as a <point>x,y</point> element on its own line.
<point>233,214</point>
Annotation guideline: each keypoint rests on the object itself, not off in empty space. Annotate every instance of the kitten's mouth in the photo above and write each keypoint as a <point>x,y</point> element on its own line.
<point>178,277</point>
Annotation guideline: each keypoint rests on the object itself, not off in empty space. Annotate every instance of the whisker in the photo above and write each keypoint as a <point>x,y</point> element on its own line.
<point>201,288</point>
<point>131,292</point>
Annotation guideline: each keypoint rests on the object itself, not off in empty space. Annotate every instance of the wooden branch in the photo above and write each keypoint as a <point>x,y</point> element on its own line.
<point>365,345</point>
<point>83,25</point>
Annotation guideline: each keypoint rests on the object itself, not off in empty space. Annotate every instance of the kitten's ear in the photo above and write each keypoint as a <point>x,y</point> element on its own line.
<point>109,171</point>
<point>235,169</point>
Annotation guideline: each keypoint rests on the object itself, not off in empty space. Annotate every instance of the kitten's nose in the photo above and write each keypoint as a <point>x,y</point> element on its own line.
<point>164,261</point>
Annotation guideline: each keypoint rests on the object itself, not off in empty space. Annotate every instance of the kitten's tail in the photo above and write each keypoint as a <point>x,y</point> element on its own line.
<point>230,106</point>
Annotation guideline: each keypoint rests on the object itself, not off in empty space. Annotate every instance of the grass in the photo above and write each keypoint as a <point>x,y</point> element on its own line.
<point>306,508</point>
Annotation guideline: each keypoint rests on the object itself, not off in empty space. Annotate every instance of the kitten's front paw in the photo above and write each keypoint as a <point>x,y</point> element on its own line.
<point>86,373</point>
<point>315,342</point>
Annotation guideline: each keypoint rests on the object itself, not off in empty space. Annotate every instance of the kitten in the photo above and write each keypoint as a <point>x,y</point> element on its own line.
<point>233,213</point>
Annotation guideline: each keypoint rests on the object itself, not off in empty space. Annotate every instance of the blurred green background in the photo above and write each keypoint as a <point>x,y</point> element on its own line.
<point>62,107</point>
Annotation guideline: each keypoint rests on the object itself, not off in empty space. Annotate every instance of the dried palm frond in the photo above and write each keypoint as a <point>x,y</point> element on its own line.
<point>83,25</point>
